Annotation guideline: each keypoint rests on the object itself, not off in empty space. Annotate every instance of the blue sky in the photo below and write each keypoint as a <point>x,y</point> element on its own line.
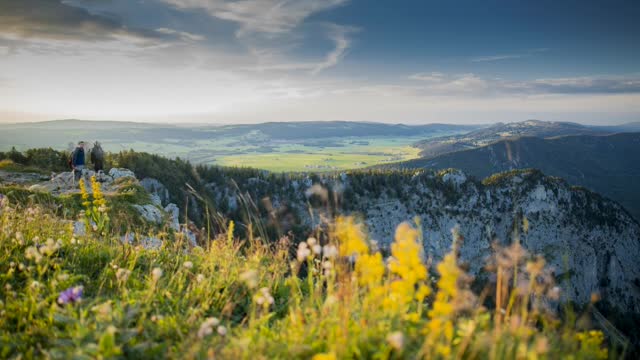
<point>220,61</point>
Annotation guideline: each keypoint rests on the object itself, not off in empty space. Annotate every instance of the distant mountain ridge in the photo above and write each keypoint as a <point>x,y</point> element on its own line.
<point>608,164</point>
<point>441,145</point>
<point>272,130</point>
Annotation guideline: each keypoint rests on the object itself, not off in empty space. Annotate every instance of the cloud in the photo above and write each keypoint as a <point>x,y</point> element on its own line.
<point>56,20</point>
<point>183,35</point>
<point>260,16</point>
<point>589,85</point>
<point>271,60</point>
<point>500,57</point>
<point>450,84</point>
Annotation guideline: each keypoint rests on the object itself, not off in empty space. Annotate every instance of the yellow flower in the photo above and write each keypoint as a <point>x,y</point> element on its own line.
<point>407,265</point>
<point>230,230</point>
<point>370,269</point>
<point>324,356</point>
<point>350,237</point>
<point>83,190</point>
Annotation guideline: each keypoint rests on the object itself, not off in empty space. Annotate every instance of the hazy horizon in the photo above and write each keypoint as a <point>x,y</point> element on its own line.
<point>253,61</point>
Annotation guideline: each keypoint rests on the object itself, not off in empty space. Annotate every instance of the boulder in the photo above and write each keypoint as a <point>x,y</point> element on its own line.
<point>117,173</point>
<point>150,213</point>
<point>159,192</point>
<point>174,216</point>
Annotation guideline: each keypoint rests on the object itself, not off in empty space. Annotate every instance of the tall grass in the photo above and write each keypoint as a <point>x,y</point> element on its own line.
<point>93,297</point>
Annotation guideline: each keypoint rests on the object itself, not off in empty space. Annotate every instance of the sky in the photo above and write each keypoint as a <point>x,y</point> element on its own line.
<point>248,61</point>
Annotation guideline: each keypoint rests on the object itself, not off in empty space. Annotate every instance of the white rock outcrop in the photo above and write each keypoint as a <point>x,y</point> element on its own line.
<point>117,173</point>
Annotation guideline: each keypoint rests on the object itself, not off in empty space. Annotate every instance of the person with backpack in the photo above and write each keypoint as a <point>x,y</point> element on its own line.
<point>77,160</point>
<point>97,157</point>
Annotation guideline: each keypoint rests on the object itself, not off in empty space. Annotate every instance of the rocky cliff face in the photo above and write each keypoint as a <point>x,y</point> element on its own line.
<point>591,242</point>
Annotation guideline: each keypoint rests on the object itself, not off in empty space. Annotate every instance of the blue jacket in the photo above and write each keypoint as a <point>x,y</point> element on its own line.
<point>77,158</point>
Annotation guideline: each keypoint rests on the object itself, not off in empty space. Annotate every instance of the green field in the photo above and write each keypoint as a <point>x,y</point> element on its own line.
<point>324,154</point>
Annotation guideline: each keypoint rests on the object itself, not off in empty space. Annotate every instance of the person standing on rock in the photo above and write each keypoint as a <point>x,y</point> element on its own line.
<point>97,157</point>
<point>77,160</point>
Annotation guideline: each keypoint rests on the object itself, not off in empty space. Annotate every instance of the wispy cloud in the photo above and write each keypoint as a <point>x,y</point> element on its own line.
<point>436,83</point>
<point>262,16</point>
<point>499,57</point>
<point>339,35</point>
<point>183,35</point>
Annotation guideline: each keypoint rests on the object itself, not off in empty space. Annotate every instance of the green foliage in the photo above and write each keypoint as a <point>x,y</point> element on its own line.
<point>36,160</point>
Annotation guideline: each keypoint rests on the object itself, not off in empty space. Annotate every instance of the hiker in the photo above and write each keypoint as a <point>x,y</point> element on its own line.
<point>77,160</point>
<point>97,157</point>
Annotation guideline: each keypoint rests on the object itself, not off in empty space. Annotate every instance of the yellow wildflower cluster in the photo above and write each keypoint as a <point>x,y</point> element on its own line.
<point>84,193</point>
<point>230,231</point>
<point>98,197</point>
<point>370,269</point>
<point>407,266</point>
<point>350,236</point>
<point>591,343</point>
<point>440,327</point>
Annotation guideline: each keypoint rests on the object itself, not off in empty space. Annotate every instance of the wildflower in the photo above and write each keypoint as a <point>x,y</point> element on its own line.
<point>156,273</point>
<point>329,251</point>
<point>407,264</point>
<point>250,278</point>
<point>396,340</point>
<point>122,274</point>
<point>188,265</point>
<point>206,328</point>
<point>32,253</point>
<point>370,269</point>
<point>35,285</point>
<point>20,238</point>
<point>317,249</point>
<point>264,297</point>
<point>230,230</point>
<point>350,236</point>
<point>222,331</point>
<point>303,251</point>
<point>103,311</point>
<point>71,295</point>
<point>312,241</point>
<point>200,278</point>
<point>324,356</point>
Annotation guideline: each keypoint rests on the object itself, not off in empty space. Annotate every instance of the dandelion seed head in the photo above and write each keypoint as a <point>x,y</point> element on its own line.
<point>156,273</point>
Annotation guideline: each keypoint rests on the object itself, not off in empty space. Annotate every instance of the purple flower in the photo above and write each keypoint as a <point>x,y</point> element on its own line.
<point>71,295</point>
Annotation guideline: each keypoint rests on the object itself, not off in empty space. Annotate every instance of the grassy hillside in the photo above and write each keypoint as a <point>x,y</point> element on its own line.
<point>609,165</point>
<point>66,296</point>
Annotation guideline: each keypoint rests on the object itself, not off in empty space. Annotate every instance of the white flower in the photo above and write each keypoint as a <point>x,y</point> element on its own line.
<point>123,274</point>
<point>330,251</point>
<point>264,297</point>
<point>312,241</point>
<point>206,328</point>
<point>396,340</point>
<point>303,253</point>
<point>250,277</point>
<point>156,273</point>
<point>200,278</point>
<point>222,331</point>
<point>188,265</point>
<point>317,249</point>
